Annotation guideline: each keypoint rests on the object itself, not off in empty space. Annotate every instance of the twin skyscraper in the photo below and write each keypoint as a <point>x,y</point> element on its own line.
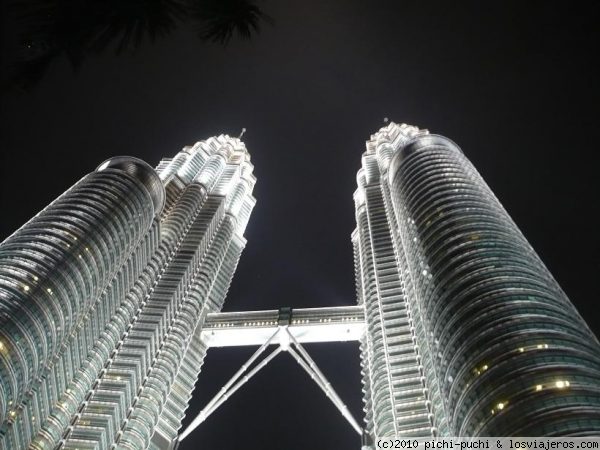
<point>110,298</point>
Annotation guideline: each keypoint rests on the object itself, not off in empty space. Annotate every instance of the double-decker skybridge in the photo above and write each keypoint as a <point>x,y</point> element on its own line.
<point>285,329</point>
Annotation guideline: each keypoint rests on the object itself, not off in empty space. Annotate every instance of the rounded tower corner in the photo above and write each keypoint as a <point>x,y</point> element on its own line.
<point>143,172</point>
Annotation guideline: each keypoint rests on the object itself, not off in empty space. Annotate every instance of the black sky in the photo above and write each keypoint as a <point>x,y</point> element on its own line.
<point>515,84</point>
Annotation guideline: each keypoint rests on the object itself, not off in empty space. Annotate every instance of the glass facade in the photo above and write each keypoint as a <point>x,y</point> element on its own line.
<point>104,293</point>
<point>498,348</point>
<point>107,295</point>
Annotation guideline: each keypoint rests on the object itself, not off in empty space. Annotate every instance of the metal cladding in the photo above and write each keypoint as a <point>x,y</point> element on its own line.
<point>467,333</point>
<point>104,293</point>
<point>110,298</point>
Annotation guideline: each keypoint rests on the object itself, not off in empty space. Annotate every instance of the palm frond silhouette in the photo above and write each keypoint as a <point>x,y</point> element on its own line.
<point>76,29</point>
<point>219,20</point>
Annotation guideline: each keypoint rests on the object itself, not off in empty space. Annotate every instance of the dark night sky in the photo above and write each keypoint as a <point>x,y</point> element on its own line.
<point>515,84</point>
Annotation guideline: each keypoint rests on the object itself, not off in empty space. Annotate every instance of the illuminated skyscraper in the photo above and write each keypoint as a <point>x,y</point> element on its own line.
<point>467,333</point>
<point>104,293</point>
<point>111,296</point>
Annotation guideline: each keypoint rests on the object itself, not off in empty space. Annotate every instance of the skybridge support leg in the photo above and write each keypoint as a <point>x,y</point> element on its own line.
<point>287,342</point>
<point>308,364</point>
<point>227,390</point>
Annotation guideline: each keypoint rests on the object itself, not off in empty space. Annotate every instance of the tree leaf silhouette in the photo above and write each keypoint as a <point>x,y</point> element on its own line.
<point>76,29</point>
<point>219,20</point>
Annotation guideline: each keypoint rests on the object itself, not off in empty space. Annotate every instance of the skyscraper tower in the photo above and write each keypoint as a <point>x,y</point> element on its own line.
<point>467,333</point>
<point>104,293</point>
<point>110,298</point>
